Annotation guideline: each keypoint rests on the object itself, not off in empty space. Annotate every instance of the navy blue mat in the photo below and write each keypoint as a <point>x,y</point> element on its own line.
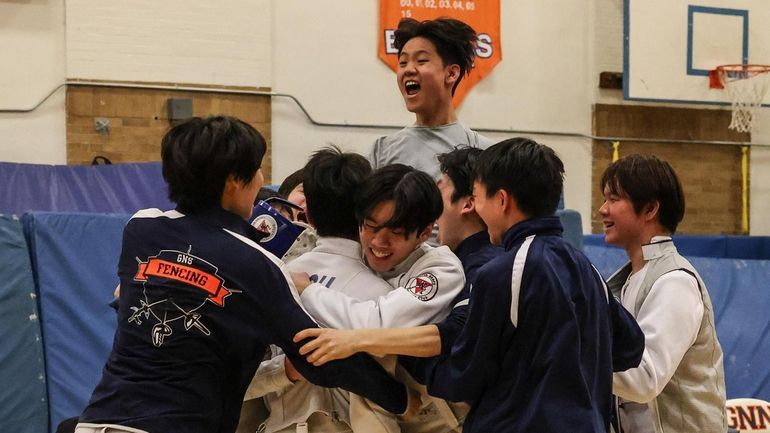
<point>718,246</point>
<point>116,188</point>
<point>23,401</point>
<point>75,258</point>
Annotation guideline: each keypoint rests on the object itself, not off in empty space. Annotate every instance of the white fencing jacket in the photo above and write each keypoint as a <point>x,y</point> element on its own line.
<point>336,264</point>
<point>424,287</point>
<point>426,284</point>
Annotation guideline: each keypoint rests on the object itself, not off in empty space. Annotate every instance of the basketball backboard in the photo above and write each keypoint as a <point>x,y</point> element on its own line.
<point>671,45</point>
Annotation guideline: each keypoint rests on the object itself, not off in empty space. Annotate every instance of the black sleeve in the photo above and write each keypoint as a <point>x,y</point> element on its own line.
<point>627,337</point>
<point>475,358</point>
<point>359,374</point>
<point>449,329</point>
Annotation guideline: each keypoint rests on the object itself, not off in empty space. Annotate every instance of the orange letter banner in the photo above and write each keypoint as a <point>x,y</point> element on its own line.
<point>209,283</point>
<point>482,15</point>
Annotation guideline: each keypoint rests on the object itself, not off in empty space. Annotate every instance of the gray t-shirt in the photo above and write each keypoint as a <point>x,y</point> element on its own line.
<point>418,146</point>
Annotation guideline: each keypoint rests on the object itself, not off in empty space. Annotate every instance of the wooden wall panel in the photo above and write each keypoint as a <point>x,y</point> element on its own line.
<point>710,174</point>
<point>139,119</point>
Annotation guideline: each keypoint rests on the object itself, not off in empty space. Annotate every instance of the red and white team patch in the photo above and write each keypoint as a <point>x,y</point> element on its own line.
<point>424,286</point>
<point>267,225</point>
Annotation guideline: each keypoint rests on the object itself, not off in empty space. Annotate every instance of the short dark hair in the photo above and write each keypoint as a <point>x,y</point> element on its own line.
<point>266,193</point>
<point>646,179</point>
<point>529,171</point>
<point>459,165</point>
<point>455,41</point>
<point>291,182</point>
<point>331,179</point>
<point>415,194</point>
<point>199,155</point>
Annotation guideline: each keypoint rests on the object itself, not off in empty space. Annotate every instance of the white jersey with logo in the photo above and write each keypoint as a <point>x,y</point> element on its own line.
<point>426,284</point>
<point>336,264</point>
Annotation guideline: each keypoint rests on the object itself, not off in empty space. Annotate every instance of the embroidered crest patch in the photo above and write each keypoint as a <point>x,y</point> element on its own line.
<point>172,268</point>
<point>424,286</point>
<point>267,225</point>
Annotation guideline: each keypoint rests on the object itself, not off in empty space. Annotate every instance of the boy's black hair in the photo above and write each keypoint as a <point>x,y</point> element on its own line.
<point>459,165</point>
<point>415,194</point>
<point>266,193</point>
<point>331,179</point>
<point>646,179</point>
<point>531,172</point>
<point>200,154</point>
<point>455,41</point>
<point>291,182</point>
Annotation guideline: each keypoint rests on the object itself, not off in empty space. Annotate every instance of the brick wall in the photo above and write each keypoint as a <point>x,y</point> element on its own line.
<point>138,120</point>
<point>710,174</point>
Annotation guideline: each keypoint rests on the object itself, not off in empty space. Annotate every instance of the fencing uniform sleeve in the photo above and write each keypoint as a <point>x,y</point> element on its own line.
<point>359,374</point>
<point>270,377</point>
<point>422,299</point>
<point>674,302</point>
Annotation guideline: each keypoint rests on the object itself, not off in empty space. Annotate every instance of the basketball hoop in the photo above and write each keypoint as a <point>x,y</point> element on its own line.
<point>746,86</point>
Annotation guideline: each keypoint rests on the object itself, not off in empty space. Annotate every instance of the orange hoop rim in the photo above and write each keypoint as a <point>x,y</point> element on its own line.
<point>717,75</point>
<point>746,68</point>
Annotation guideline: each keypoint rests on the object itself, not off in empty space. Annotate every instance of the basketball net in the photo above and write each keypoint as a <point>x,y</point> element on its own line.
<point>746,86</point>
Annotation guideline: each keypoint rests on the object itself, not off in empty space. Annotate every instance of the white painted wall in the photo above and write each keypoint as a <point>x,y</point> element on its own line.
<point>32,56</point>
<point>225,42</point>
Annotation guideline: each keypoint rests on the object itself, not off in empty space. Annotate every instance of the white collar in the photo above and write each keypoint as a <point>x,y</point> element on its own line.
<point>656,248</point>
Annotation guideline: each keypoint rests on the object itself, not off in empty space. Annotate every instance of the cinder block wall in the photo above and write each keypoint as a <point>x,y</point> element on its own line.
<point>710,174</point>
<point>223,45</point>
<point>138,120</point>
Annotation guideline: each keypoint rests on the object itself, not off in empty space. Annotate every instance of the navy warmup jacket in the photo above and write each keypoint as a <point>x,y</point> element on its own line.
<point>474,252</point>
<point>536,352</point>
<point>199,303</point>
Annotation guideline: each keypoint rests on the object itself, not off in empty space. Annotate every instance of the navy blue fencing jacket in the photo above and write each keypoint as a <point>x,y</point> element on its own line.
<point>199,303</point>
<point>474,252</point>
<point>536,352</point>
